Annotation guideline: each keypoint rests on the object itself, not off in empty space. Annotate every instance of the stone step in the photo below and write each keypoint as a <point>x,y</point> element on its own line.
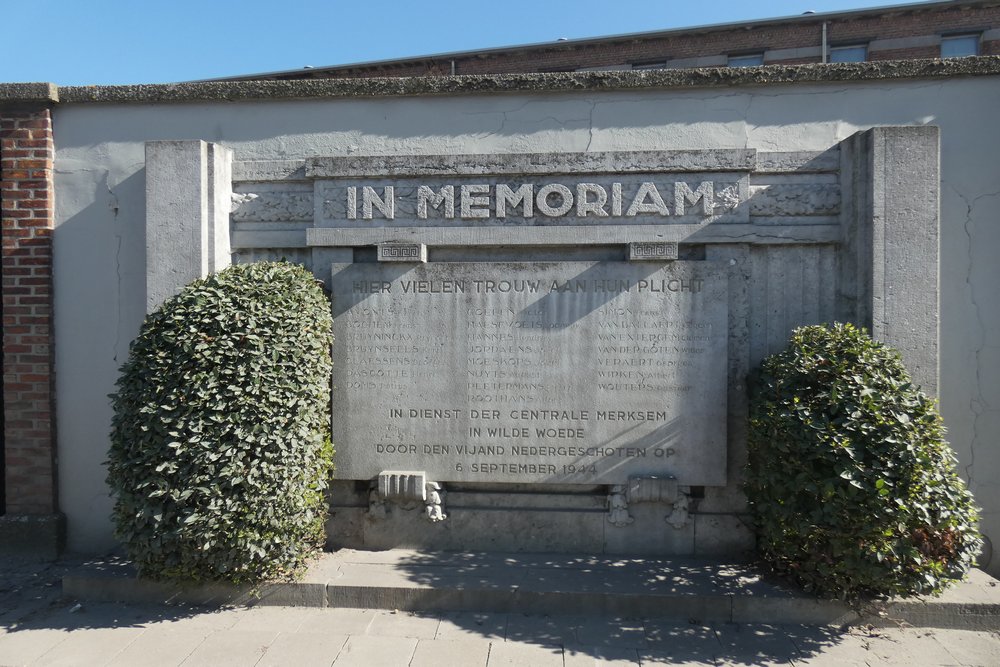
<point>696,590</point>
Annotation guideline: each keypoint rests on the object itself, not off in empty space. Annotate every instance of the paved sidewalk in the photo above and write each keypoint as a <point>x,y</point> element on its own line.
<point>39,627</point>
<point>64,633</point>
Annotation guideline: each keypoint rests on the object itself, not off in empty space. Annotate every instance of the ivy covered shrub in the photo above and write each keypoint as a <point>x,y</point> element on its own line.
<point>220,449</point>
<point>851,484</point>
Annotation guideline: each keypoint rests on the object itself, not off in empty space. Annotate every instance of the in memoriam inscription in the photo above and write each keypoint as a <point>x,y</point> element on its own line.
<point>571,372</point>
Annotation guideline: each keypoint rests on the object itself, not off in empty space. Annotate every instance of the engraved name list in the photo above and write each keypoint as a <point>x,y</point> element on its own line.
<point>581,372</point>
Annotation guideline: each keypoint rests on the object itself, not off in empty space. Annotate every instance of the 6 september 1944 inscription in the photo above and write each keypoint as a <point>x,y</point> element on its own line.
<point>569,372</point>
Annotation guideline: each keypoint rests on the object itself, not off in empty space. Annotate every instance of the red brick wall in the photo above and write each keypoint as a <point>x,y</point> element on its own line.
<point>26,205</point>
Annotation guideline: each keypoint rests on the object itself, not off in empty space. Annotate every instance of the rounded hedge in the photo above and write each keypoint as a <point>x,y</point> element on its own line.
<point>220,449</point>
<point>851,484</point>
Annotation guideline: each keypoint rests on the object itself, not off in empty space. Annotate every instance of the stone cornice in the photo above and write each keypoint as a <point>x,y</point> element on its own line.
<point>28,94</point>
<point>233,91</point>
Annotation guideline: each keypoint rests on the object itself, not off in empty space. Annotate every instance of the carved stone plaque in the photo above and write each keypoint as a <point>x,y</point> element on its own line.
<point>568,372</point>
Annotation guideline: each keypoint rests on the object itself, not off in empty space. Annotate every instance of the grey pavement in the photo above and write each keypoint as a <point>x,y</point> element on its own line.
<point>39,627</point>
<point>63,633</point>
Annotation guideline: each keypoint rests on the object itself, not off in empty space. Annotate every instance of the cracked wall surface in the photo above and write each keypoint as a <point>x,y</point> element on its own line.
<point>100,245</point>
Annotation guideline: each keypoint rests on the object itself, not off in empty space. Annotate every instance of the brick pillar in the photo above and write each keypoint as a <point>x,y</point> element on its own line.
<point>31,523</point>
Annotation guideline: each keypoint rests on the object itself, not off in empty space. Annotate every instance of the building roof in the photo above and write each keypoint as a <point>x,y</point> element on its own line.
<point>806,17</point>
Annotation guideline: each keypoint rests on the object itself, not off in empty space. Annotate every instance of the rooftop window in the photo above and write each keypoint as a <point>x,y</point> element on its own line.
<point>854,53</point>
<point>662,64</point>
<point>748,60</point>
<point>959,46</point>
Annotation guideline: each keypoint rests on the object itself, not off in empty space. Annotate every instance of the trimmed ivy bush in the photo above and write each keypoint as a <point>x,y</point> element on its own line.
<point>220,449</point>
<point>851,484</point>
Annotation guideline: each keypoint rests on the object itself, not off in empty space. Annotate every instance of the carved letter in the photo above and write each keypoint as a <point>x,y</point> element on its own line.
<point>683,195</point>
<point>524,196</point>
<point>352,203</point>
<point>583,207</point>
<point>426,194</point>
<point>616,199</point>
<point>470,200</point>
<point>542,200</point>
<point>639,205</point>
<point>386,204</point>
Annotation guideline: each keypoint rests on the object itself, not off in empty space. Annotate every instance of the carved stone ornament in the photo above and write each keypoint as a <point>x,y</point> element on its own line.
<point>618,506</point>
<point>679,517</point>
<point>376,503</point>
<point>434,510</point>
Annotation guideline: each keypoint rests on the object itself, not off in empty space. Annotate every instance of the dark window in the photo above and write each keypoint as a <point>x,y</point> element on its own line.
<point>959,46</point>
<point>748,60</point>
<point>855,53</point>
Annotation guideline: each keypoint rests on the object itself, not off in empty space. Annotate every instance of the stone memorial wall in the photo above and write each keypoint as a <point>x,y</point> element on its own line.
<point>536,341</point>
<point>799,195</point>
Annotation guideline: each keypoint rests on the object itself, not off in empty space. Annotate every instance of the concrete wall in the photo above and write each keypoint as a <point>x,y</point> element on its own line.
<point>100,214</point>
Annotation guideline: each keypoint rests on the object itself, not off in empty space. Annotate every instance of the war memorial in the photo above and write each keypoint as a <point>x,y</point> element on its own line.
<point>548,290</point>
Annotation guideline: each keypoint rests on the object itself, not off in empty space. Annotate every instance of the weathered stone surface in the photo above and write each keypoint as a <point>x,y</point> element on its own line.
<point>803,199</point>
<point>578,81</point>
<point>38,536</point>
<point>621,162</point>
<point>14,95</point>
<point>893,225</point>
<point>268,170</point>
<point>188,203</point>
<point>273,203</point>
<point>511,235</point>
<point>543,372</point>
<point>801,162</point>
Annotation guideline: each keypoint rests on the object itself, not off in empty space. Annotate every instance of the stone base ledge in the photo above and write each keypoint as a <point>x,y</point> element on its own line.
<point>40,536</point>
<point>678,589</point>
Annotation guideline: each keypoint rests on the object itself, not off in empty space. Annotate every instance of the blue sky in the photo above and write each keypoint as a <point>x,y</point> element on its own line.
<point>82,42</point>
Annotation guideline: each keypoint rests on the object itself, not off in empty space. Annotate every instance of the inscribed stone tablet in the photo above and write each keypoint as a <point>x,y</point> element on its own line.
<point>569,372</point>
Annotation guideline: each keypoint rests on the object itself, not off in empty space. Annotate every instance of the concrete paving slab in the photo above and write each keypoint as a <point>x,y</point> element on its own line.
<point>671,642</point>
<point>908,646</point>
<point>73,616</point>
<point>21,647</point>
<point>661,657</point>
<point>100,645</point>
<point>971,648</point>
<point>753,644</point>
<point>276,619</point>
<point>599,631</point>
<point>850,652</point>
<point>362,651</point>
<point>547,630</point>
<point>161,647</point>
<point>828,646</point>
<point>604,656</point>
<point>303,650</point>
<point>472,625</point>
<point>13,617</point>
<point>338,621</point>
<point>403,624</point>
<point>513,654</point>
<point>188,618</point>
<point>229,648</point>
<point>457,653</point>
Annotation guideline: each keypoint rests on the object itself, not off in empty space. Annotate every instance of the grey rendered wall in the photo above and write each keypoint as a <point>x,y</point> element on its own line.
<point>100,245</point>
